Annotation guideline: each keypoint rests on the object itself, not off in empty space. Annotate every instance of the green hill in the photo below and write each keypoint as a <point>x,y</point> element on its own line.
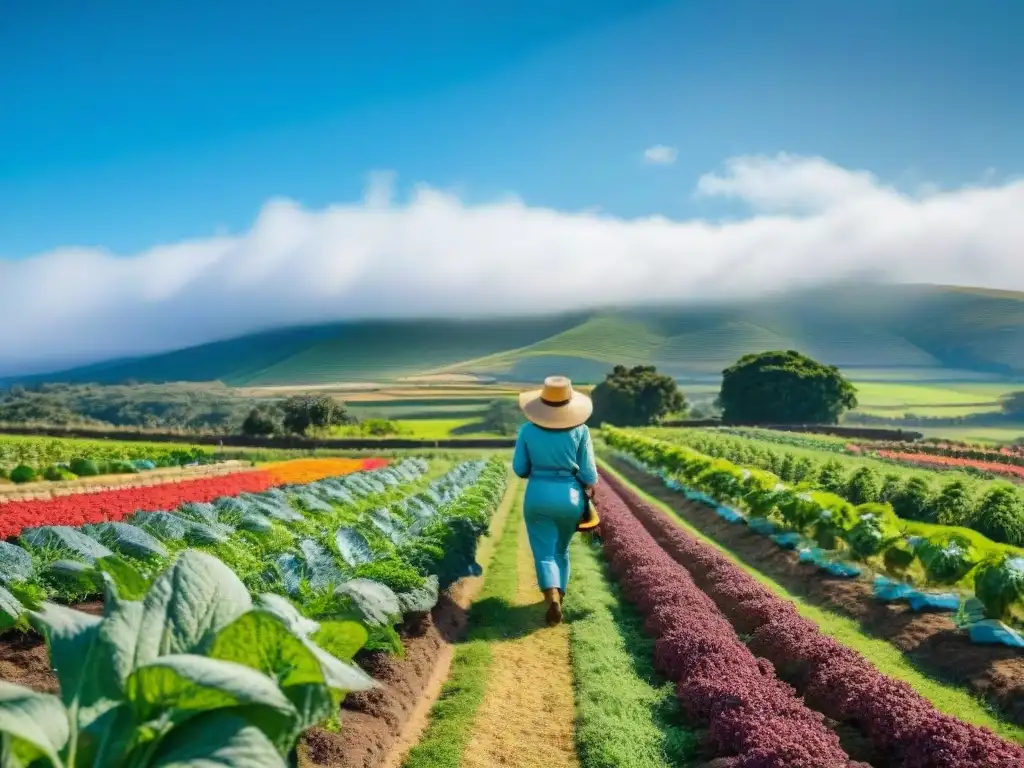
<point>883,333</point>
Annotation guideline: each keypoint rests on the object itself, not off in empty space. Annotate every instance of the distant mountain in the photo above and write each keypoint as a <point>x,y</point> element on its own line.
<point>873,331</point>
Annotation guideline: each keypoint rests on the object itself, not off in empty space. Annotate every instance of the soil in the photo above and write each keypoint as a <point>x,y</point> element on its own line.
<point>931,640</point>
<point>371,722</point>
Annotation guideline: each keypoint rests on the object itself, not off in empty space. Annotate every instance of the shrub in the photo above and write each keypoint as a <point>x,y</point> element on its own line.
<point>999,584</point>
<point>947,558</point>
<point>56,474</point>
<point>1001,516</point>
<point>898,557</point>
<point>863,487</point>
<point>832,478</point>
<point>23,473</point>
<point>954,505</point>
<point>892,485</point>
<point>804,469</point>
<point>875,531</point>
<point>84,467</point>
<point>914,501</point>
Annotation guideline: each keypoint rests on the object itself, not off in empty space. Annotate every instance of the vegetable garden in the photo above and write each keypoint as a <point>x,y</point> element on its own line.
<point>365,612</point>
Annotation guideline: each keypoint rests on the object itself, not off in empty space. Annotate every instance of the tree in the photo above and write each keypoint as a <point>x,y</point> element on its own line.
<point>634,397</point>
<point>784,388</point>
<point>262,420</point>
<point>304,412</point>
<point>502,417</point>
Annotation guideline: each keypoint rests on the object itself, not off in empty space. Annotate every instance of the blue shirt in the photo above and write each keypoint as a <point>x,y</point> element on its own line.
<point>555,449</point>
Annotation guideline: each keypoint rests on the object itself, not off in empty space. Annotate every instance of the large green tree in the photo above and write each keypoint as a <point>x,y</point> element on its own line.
<point>633,397</point>
<point>784,388</point>
<point>302,413</point>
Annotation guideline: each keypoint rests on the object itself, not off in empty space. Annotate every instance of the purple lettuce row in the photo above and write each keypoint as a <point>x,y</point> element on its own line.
<point>754,720</point>
<point>833,678</point>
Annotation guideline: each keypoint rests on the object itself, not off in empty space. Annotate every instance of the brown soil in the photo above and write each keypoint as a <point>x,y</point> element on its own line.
<point>371,721</point>
<point>931,640</point>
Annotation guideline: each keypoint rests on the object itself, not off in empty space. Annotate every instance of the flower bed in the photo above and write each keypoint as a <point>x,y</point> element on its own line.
<point>1013,471</point>
<point>300,471</point>
<point>753,719</point>
<point>837,680</point>
<point>113,506</point>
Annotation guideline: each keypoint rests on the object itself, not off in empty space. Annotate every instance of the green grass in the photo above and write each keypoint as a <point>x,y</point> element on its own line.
<point>884,656</point>
<point>425,429</point>
<point>625,715</point>
<point>451,718</point>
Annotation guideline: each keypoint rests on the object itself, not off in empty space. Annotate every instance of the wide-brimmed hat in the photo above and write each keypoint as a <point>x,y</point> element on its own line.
<point>556,405</point>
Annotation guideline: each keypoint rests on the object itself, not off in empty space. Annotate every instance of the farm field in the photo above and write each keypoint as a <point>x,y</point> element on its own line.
<point>418,578</point>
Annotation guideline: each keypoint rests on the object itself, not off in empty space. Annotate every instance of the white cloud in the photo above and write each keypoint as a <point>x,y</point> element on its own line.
<point>659,154</point>
<point>435,256</point>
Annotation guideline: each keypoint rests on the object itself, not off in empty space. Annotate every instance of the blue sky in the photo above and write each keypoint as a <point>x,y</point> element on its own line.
<point>125,125</point>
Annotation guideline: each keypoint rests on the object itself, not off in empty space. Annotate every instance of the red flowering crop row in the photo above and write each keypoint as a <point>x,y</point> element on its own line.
<point>753,719</point>
<point>103,506</point>
<point>836,680</point>
<point>1012,471</point>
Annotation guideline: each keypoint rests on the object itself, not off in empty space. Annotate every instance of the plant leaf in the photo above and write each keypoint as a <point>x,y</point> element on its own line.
<point>127,581</point>
<point>36,722</point>
<point>217,740</point>
<point>422,599</point>
<point>71,637</point>
<point>184,685</point>
<point>375,603</point>
<point>288,613</point>
<point>188,605</point>
<point>353,547</point>
<point>341,639</point>
<point>11,609</point>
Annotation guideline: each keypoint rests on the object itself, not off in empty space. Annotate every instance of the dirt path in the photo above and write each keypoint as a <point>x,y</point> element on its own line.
<point>526,718</point>
<point>467,591</point>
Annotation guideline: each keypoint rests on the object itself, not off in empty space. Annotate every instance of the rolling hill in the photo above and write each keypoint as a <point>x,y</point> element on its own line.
<point>874,332</point>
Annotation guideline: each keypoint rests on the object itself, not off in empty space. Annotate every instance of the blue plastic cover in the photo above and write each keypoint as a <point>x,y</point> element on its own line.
<point>729,514</point>
<point>761,525</point>
<point>841,569</point>
<point>993,632</point>
<point>889,591</point>
<point>788,540</point>
<point>923,601</point>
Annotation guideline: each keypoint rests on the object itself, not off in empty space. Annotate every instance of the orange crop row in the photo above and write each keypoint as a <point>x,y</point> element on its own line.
<point>310,470</point>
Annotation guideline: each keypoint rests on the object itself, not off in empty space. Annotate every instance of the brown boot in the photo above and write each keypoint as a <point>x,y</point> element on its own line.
<point>553,597</point>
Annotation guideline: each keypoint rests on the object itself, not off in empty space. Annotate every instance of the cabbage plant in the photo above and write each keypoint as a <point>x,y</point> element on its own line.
<point>999,585</point>
<point>191,673</point>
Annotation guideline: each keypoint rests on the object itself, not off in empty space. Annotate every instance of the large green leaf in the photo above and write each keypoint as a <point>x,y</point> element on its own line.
<point>263,641</point>
<point>285,610</point>
<point>217,740</point>
<point>188,605</point>
<point>71,637</point>
<point>184,685</point>
<point>11,609</point>
<point>123,577</point>
<point>375,603</point>
<point>339,675</point>
<point>37,723</point>
<point>341,639</point>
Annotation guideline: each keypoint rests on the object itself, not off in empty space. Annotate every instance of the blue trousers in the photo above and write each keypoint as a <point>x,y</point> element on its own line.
<point>552,510</point>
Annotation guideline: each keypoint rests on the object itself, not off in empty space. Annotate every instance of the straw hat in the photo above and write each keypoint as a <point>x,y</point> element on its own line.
<point>557,405</point>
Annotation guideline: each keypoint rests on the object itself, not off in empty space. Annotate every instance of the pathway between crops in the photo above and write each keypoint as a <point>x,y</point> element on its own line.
<point>526,717</point>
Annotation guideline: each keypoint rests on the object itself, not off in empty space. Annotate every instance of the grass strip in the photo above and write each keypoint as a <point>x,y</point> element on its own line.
<point>451,718</point>
<point>887,658</point>
<point>627,716</point>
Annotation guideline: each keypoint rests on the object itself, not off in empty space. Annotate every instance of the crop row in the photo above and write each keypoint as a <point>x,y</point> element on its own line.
<point>901,726</point>
<point>357,542</point>
<point>752,718</point>
<point>184,667</point>
<point>41,453</point>
<point>994,510</point>
<point>1013,471</point>
<point>833,531</point>
<point>115,505</point>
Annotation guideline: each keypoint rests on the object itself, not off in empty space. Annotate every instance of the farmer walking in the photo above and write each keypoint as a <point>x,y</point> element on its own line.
<point>554,451</point>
